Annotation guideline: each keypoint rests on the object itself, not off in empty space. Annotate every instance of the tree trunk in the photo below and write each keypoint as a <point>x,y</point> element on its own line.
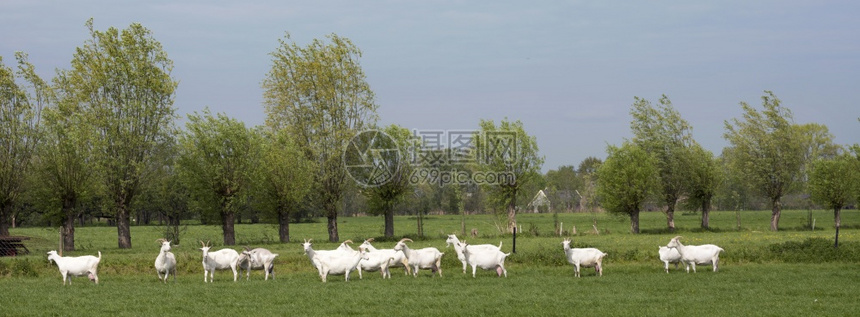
<point>837,217</point>
<point>775,213</point>
<point>670,216</point>
<point>389,221</point>
<point>69,225</point>
<point>332,228</point>
<point>227,219</point>
<point>123,228</point>
<point>634,221</point>
<point>706,215</point>
<point>283,225</point>
<point>512,214</point>
<point>5,211</point>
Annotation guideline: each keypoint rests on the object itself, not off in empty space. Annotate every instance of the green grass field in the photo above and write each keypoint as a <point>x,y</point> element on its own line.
<point>794,271</point>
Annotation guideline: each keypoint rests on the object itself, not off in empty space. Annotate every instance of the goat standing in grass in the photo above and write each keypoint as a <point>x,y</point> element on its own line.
<point>77,266</point>
<point>219,260</point>
<point>667,256</point>
<point>458,247</point>
<point>256,259</point>
<point>583,257</point>
<point>339,261</point>
<point>165,262</point>
<point>426,258</point>
<point>398,259</point>
<point>696,254</point>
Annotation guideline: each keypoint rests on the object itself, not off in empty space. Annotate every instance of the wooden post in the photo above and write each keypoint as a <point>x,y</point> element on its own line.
<point>515,240</point>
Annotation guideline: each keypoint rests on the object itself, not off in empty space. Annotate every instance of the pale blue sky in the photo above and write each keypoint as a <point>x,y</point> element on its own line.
<point>568,69</point>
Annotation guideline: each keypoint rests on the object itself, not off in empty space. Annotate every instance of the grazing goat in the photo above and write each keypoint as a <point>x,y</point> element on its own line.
<point>335,262</point>
<point>77,266</point>
<point>219,260</point>
<point>165,262</point>
<point>398,259</point>
<point>583,257</point>
<point>452,239</point>
<point>488,259</point>
<point>696,254</point>
<point>669,255</point>
<point>426,258</point>
<point>256,259</point>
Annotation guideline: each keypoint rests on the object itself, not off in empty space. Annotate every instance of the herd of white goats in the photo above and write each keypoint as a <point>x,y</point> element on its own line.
<point>344,259</point>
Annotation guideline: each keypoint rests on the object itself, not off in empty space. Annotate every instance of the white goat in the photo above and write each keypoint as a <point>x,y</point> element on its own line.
<point>696,254</point>
<point>398,259</point>
<point>257,259</point>
<point>485,258</point>
<point>426,258</point>
<point>373,261</point>
<point>76,265</point>
<point>452,239</point>
<point>669,255</point>
<point>583,257</point>
<point>219,260</point>
<point>335,262</point>
<point>165,262</point>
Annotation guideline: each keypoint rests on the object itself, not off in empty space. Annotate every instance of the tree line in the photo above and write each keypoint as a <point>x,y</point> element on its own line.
<point>100,141</point>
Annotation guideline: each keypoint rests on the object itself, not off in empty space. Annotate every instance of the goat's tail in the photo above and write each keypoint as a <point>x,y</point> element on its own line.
<point>100,256</point>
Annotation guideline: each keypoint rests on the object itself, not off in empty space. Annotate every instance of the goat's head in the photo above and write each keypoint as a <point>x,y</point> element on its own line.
<point>165,245</point>
<point>452,239</point>
<point>675,242</point>
<point>401,244</point>
<point>566,243</point>
<point>307,245</point>
<point>51,255</point>
<point>366,244</point>
<point>205,247</point>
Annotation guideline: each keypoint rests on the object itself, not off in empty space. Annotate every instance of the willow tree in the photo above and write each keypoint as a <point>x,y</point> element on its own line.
<point>766,152</point>
<point>386,179</point>
<point>626,180</point>
<point>63,166</point>
<point>217,158</point>
<point>319,93</point>
<point>660,130</point>
<point>21,105</point>
<point>122,80</point>
<point>510,156</point>
<point>702,181</point>
<point>834,182</point>
<point>284,179</point>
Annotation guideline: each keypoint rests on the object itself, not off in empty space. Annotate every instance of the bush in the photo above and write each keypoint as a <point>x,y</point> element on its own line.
<point>814,250</point>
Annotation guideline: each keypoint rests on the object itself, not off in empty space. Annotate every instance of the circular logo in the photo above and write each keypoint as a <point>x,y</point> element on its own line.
<point>372,158</point>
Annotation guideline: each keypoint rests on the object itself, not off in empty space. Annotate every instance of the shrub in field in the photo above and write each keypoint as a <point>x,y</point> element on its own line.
<point>814,250</point>
<point>17,268</point>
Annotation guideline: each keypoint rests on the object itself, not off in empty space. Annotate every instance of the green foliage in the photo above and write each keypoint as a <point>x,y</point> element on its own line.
<point>122,80</point>
<point>506,149</point>
<point>217,159</point>
<point>834,182</point>
<point>319,92</point>
<point>764,150</point>
<point>394,168</point>
<point>814,250</point>
<point>661,131</point>
<point>20,113</point>
<point>626,179</point>
<point>285,177</point>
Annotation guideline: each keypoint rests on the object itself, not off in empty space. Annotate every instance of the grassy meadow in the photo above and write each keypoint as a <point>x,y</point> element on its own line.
<point>791,272</point>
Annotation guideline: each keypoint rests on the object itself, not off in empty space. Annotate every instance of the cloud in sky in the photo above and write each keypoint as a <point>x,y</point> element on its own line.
<point>568,69</point>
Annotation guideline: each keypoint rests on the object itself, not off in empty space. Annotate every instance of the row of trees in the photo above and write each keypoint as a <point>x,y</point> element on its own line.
<point>769,156</point>
<point>100,139</point>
